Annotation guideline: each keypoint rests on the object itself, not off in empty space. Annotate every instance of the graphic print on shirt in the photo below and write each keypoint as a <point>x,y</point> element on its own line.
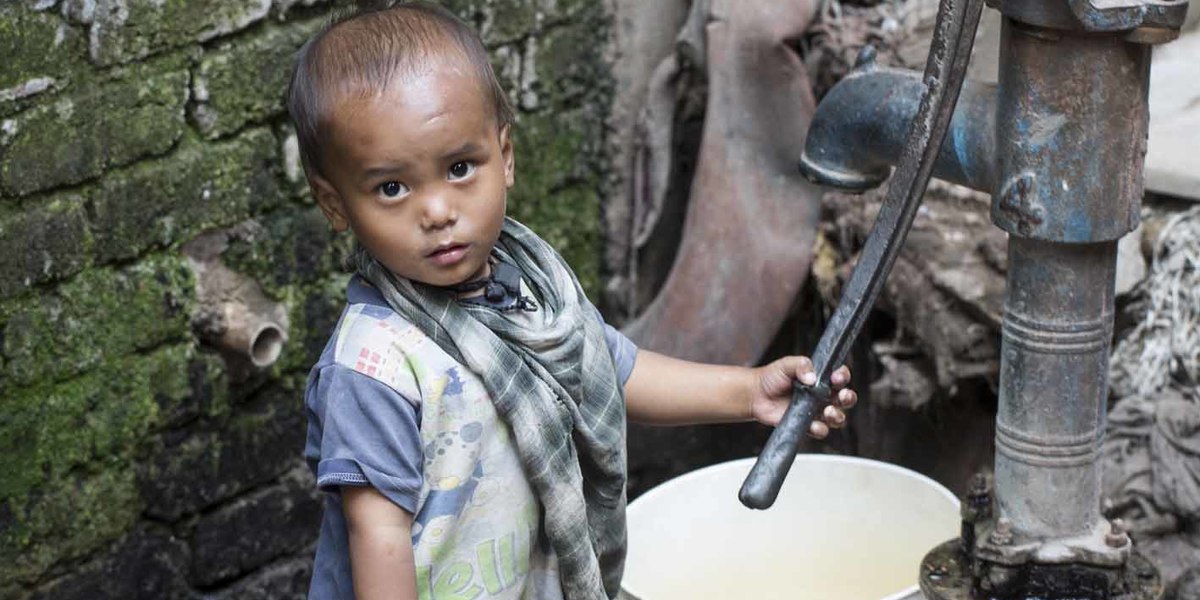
<point>387,350</point>
<point>475,531</point>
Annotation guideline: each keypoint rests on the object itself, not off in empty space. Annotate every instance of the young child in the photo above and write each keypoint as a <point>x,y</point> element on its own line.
<point>468,413</point>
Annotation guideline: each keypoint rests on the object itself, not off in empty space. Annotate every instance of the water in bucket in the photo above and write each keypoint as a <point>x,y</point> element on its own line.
<point>843,528</point>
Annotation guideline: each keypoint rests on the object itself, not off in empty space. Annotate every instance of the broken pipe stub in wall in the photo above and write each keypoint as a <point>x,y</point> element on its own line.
<point>233,313</point>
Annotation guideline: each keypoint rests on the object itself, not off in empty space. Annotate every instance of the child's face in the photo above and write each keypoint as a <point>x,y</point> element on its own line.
<point>419,173</point>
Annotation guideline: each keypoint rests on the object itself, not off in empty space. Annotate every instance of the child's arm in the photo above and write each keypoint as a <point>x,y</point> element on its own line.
<point>381,553</point>
<point>668,391</point>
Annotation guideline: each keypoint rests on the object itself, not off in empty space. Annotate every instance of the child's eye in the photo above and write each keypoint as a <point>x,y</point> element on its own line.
<point>392,189</point>
<point>461,170</point>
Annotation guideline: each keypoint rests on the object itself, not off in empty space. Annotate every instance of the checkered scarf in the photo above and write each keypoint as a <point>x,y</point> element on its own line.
<point>557,389</point>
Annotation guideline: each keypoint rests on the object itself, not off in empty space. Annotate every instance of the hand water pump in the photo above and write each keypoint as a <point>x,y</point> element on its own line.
<point>1059,143</point>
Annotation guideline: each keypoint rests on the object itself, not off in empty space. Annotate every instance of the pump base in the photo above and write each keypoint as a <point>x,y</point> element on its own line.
<point>947,574</point>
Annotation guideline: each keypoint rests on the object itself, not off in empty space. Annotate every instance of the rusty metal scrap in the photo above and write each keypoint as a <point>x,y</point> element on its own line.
<point>751,218</point>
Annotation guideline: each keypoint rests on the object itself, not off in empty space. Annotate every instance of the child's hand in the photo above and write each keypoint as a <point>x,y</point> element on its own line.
<point>775,392</point>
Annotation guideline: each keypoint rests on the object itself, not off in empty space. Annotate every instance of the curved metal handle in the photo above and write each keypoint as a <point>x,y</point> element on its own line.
<point>945,69</point>
<point>766,477</point>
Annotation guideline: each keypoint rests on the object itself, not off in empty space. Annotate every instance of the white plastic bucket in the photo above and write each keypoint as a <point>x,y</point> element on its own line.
<point>843,528</point>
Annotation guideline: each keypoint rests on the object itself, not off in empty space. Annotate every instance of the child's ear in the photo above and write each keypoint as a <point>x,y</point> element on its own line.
<point>330,202</point>
<point>506,152</point>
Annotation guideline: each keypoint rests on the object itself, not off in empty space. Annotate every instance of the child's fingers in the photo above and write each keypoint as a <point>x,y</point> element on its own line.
<point>833,417</point>
<point>818,430</point>
<point>840,377</point>
<point>847,398</point>
<point>805,372</point>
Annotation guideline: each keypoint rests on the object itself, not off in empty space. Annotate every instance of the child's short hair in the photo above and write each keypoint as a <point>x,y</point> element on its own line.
<point>362,51</point>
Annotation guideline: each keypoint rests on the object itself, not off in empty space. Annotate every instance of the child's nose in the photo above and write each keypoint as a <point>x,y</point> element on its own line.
<point>440,211</point>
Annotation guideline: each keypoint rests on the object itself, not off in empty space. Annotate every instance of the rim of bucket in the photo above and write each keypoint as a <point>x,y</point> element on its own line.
<point>833,458</point>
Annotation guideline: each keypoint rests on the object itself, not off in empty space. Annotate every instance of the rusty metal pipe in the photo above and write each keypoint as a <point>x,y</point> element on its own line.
<point>1072,130</point>
<point>1058,318</point>
<point>859,130</point>
<point>234,315</point>
<point>1060,145</point>
<point>250,326</point>
<point>1070,139</point>
<point>232,312</point>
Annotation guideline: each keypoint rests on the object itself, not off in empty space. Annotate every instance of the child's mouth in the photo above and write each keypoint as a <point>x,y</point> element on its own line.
<point>448,255</point>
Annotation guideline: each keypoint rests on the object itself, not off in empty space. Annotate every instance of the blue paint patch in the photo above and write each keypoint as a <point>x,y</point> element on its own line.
<point>454,386</point>
<point>1078,226</point>
<point>471,431</point>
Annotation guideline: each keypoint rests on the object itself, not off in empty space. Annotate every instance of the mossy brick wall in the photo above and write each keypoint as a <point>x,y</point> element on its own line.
<point>136,461</point>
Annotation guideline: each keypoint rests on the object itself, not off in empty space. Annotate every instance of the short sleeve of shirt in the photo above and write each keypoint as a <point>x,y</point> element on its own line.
<point>623,350</point>
<point>369,435</point>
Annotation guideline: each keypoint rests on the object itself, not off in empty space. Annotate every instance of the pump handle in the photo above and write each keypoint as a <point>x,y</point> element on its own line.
<point>945,69</point>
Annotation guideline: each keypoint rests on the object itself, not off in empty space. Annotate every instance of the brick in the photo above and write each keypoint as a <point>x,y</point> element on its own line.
<point>40,52</point>
<point>138,114</point>
<point>65,520</point>
<point>280,8</point>
<point>210,465</point>
<point>293,167</point>
<point>283,580</point>
<point>284,518</point>
<point>294,247</point>
<point>511,20</point>
<point>200,186</point>
<point>313,316</point>
<point>508,21</point>
<point>103,415</point>
<point>159,559</point>
<point>65,451</point>
<point>207,392</point>
<point>245,82</point>
<point>98,315</point>
<point>44,244</point>
<point>123,30</point>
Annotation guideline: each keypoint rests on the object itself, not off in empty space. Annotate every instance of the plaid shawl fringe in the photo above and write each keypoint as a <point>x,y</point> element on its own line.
<point>555,387</point>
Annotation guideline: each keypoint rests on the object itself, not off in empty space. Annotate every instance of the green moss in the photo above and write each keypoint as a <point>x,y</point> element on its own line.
<point>245,82</point>
<point>512,19</point>
<point>35,46</point>
<point>46,243</point>
<point>139,113</point>
<point>293,245</point>
<point>208,394</point>
<point>198,187</point>
<point>551,198</point>
<point>561,161</point>
<point>571,71</point>
<point>313,311</point>
<point>50,429</point>
<point>102,313</point>
<point>68,518</point>
<point>67,453</point>
<point>136,28</point>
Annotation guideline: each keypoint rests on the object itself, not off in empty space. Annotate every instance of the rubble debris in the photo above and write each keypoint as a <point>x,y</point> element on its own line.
<point>946,288</point>
<point>1164,347</point>
<point>1152,444</point>
<point>900,33</point>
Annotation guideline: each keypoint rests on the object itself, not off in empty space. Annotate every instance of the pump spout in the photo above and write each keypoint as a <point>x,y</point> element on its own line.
<point>860,126</point>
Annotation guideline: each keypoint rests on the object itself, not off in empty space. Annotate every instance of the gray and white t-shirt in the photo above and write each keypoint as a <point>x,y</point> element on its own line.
<point>389,409</point>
